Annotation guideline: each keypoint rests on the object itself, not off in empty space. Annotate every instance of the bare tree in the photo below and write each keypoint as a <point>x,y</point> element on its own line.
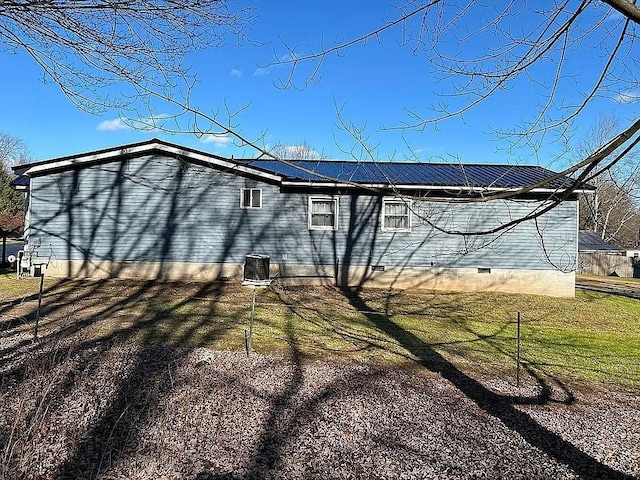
<point>300,151</point>
<point>614,211</point>
<point>12,151</point>
<point>478,49</point>
<point>112,53</point>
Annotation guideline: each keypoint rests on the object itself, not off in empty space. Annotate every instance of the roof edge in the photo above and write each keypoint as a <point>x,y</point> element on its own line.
<point>154,145</point>
<point>157,145</point>
<point>469,188</point>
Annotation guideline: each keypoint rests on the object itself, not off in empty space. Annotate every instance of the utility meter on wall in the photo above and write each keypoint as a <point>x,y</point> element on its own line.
<point>29,263</point>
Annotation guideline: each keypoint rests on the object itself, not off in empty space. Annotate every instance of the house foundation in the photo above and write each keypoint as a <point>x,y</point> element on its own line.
<point>539,282</point>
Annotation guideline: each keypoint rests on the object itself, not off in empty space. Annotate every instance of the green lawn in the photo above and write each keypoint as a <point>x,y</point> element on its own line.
<point>594,337</point>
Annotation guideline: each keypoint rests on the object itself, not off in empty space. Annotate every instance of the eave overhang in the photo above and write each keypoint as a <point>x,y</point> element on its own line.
<point>155,146</point>
<point>440,188</point>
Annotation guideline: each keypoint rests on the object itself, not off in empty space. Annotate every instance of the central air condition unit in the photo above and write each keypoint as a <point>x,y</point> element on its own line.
<point>256,268</point>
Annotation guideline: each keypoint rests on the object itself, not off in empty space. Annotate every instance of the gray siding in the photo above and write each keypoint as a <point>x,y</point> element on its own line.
<point>166,210</point>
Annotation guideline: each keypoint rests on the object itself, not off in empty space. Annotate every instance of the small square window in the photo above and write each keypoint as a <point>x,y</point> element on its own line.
<point>323,213</point>
<point>396,215</point>
<point>250,198</point>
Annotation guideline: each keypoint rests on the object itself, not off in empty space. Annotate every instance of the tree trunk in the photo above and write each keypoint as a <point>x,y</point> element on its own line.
<point>3,259</point>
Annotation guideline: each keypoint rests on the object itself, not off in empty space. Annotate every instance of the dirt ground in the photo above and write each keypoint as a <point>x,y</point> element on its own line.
<point>119,409</point>
<point>77,407</point>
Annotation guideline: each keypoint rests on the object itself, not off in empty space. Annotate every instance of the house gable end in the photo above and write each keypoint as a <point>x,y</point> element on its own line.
<point>127,152</point>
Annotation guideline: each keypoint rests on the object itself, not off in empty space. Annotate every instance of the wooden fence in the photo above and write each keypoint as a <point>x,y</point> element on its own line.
<point>607,264</point>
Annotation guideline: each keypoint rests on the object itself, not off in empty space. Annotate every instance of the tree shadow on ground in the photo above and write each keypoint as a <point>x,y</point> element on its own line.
<point>499,406</point>
<point>137,389</point>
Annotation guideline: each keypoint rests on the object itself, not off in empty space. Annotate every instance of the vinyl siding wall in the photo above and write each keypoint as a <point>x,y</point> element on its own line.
<point>160,209</point>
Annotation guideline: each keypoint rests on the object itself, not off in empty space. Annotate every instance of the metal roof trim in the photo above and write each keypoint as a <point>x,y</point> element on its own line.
<point>114,154</point>
<point>311,183</point>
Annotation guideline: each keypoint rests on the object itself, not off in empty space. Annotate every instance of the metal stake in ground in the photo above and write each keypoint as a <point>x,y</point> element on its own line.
<point>518,351</point>
<point>253,310</point>
<point>39,304</point>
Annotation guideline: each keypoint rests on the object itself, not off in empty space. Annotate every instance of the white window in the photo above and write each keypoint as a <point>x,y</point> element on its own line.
<point>250,198</point>
<point>323,213</point>
<point>396,215</point>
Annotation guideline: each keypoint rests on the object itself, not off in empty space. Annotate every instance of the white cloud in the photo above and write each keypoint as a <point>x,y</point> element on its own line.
<point>287,57</point>
<point>114,125</point>
<point>615,16</point>
<point>218,139</point>
<point>429,149</point>
<point>235,73</point>
<point>627,97</point>
<point>262,71</point>
<point>148,124</point>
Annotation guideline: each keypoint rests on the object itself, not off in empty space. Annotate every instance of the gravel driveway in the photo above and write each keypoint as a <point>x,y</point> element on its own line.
<point>120,409</point>
<point>625,287</point>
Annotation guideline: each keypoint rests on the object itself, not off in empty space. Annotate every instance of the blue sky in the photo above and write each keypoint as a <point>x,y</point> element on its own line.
<point>374,84</point>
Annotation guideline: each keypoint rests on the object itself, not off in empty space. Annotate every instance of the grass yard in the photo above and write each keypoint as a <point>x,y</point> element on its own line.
<point>594,337</point>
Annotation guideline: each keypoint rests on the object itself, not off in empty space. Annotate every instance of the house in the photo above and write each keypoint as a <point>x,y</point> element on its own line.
<point>158,210</point>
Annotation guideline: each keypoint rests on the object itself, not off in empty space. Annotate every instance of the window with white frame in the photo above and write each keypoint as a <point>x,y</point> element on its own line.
<point>396,215</point>
<point>250,198</point>
<point>323,213</point>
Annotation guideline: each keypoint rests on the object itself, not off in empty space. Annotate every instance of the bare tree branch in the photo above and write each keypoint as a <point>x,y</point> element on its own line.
<point>477,50</point>
<point>98,51</point>
<point>129,55</point>
<point>626,8</point>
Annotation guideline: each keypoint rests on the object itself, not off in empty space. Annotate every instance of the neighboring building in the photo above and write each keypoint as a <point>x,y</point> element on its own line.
<point>158,210</point>
<point>595,257</point>
<point>591,242</point>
